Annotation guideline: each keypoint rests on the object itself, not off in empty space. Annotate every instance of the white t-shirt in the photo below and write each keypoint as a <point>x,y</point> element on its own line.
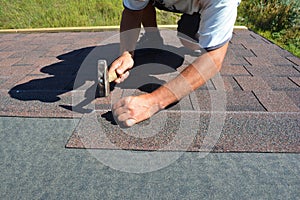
<point>217,17</point>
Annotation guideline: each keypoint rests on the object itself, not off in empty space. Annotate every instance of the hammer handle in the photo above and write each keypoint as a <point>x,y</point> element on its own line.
<point>112,76</point>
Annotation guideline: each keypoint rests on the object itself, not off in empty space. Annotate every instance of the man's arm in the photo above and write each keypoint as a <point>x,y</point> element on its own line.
<point>194,76</point>
<point>129,32</point>
<point>130,29</point>
<point>134,109</point>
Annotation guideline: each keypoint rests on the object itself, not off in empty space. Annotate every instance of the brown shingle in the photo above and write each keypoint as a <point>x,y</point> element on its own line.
<point>250,83</point>
<point>276,101</point>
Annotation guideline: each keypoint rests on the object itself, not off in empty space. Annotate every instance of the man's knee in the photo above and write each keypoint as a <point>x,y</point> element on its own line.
<point>188,26</point>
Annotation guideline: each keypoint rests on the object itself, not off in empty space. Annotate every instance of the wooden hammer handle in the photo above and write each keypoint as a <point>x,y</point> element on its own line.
<point>112,76</point>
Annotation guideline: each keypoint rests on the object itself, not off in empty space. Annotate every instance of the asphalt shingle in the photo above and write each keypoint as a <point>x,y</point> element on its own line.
<point>52,75</point>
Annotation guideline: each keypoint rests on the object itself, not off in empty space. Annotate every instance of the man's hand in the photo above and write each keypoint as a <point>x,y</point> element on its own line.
<point>121,66</point>
<point>134,109</point>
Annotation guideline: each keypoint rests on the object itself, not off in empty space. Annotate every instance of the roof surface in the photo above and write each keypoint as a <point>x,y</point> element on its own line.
<point>48,75</point>
<point>47,83</point>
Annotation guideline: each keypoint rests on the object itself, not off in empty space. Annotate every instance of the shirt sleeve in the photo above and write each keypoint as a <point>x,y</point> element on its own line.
<point>217,22</point>
<point>135,4</point>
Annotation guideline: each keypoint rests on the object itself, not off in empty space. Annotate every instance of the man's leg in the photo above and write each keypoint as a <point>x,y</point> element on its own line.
<point>188,27</point>
<point>149,17</point>
<point>152,36</point>
<point>130,29</point>
<point>131,24</point>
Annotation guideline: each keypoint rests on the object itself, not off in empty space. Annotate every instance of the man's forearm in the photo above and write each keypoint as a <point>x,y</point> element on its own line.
<point>194,76</point>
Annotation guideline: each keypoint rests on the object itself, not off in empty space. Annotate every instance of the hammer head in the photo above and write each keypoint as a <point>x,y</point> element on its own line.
<point>103,80</point>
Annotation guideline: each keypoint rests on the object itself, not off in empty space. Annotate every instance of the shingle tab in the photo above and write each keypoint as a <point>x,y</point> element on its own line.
<point>242,101</point>
<point>294,96</point>
<point>232,59</point>
<point>276,101</point>
<point>271,70</point>
<point>234,70</point>
<point>283,83</point>
<point>250,83</point>
<point>294,59</point>
<point>296,80</point>
<point>259,61</point>
<point>229,84</point>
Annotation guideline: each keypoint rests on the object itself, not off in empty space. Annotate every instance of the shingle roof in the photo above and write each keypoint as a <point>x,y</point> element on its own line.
<point>261,83</point>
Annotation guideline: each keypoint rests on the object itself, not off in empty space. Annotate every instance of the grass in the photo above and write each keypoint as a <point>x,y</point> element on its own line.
<point>65,13</point>
<point>58,13</point>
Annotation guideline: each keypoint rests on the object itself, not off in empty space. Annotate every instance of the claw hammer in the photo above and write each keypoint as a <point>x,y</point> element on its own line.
<point>105,78</point>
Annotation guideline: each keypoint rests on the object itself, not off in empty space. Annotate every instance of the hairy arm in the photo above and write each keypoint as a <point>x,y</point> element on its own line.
<point>134,109</point>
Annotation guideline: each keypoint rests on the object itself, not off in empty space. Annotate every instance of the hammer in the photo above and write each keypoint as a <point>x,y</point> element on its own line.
<point>104,78</point>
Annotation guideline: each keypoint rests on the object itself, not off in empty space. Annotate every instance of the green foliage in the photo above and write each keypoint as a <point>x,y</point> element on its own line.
<point>272,15</point>
<point>164,17</point>
<point>287,39</point>
<point>276,20</point>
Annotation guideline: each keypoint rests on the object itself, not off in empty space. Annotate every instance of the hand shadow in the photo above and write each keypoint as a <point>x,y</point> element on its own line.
<point>148,63</point>
<point>108,116</point>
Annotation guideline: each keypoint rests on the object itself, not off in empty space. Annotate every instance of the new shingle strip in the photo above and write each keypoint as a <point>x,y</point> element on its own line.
<point>241,132</point>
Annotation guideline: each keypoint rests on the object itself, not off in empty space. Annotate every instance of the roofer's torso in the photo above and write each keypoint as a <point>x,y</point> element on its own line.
<point>217,17</point>
<point>182,6</point>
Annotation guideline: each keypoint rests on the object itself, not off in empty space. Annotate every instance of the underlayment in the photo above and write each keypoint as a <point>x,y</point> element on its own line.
<point>35,165</point>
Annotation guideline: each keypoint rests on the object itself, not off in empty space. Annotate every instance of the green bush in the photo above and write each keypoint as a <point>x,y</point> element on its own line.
<point>276,20</point>
<point>272,15</point>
